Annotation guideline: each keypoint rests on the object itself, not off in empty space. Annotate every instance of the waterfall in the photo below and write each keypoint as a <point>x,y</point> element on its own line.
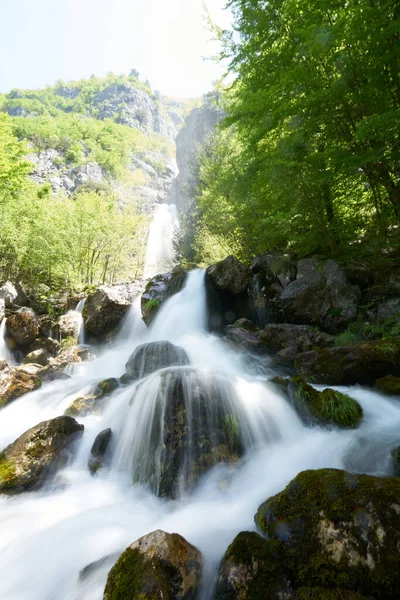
<point>237,442</point>
<point>160,252</point>
<point>4,351</point>
<point>81,324</point>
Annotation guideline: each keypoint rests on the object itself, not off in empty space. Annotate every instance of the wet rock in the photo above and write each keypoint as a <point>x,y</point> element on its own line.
<point>69,356</point>
<point>334,529</point>
<point>37,453</point>
<point>283,267</point>
<point>395,453</point>
<point>95,402</point>
<point>23,328</point>
<point>150,357</point>
<point>321,296</point>
<point>158,290</point>
<point>388,309</point>
<point>16,382</point>
<point>227,284</point>
<point>326,407</point>
<point>362,363</point>
<point>39,357</point>
<point>98,451</point>
<point>106,307</point>
<point>388,385</point>
<point>244,339</point>
<point>250,571</point>
<point>158,565</point>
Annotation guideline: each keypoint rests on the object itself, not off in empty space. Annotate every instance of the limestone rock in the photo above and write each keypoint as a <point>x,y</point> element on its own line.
<point>37,453</point>
<point>321,296</point>
<point>158,565</point>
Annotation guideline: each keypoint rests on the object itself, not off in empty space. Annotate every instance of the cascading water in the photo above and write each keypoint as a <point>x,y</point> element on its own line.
<point>81,325</point>
<point>5,353</point>
<point>49,536</point>
<point>160,252</point>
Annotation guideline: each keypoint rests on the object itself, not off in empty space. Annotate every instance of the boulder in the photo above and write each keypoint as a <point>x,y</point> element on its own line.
<point>283,267</point>
<point>158,565</point>
<point>152,356</point>
<point>98,451</point>
<point>70,325</point>
<point>362,363</point>
<point>16,382</point>
<point>39,357</point>
<point>13,295</point>
<point>94,402</point>
<point>389,309</point>
<point>23,328</point>
<point>388,385</point>
<point>69,356</point>
<point>241,337</point>
<point>194,427</point>
<point>321,296</point>
<point>277,336</point>
<point>37,453</point>
<point>328,407</point>
<point>227,284</point>
<point>337,530</point>
<point>158,290</point>
<point>106,307</point>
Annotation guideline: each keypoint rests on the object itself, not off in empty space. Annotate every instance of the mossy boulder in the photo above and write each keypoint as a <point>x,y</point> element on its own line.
<point>153,356</point>
<point>95,402</point>
<point>158,290</point>
<point>158,565</point>
<point>388,385</point>
<point>362,363</point>
<point>333,529</point>
<point>37,453</point>
<point>38,357</point>
<point>326,407</point>
<point>15,382</point>
<point>249,571</point>
<point>277,336</point>
<point>23,328</point>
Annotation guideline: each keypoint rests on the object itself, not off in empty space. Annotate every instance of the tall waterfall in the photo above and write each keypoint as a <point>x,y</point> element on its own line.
<point>49,536</point>
<point>160,252</point>
<point>4,351</point>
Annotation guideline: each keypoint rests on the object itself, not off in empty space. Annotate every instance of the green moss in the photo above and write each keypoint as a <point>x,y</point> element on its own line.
<point>388,385</point>
<point>68,342</point>
<point>106,387</point>
<point>359,508</point>
<point>7,472</point>
<point>318,593</point>
<point>328,406</point>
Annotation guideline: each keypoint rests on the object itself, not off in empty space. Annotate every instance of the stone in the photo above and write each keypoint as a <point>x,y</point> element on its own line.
<point>243,339</point>
<point>37,454</point>
<point>16,382</point>
<point>388,385</point>
<point>153,356</point>
<point>277,336</point>
<point>23,328</point>
<point>106,307</point>
<point>69,325</point>
<point>320,296</point>
<point>361,363</point>
<point>158,290</point>
<point>98,451</point>
<point>333,529</point>
<point>389,309</point>
<point>93,403</point>
<point>68,356</point>
<point>13,295</point>
<point>230,275</point>
<point>158,565</point>
<point>39,357</point>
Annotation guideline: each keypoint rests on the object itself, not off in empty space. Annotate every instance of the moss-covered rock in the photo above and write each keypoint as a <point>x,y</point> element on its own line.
<point>153,356</point>
<point>15,382</point>
<point>326,407</point>
<point>249,571</point>
<point>334,529</point>
<point>319,593</point>
<point>388,385</point>
<point>157,566</point>
<point>38,357</point>
<point>37,453</point>
<point>158,290</point>
<point>23,328</point>
<point>362,363</point>
<point>93,403</point>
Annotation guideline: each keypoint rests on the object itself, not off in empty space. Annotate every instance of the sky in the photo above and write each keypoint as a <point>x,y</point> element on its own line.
<point>42,41</point>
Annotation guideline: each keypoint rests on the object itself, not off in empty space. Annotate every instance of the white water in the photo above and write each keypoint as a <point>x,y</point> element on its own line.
<point>47,537</point>
<point>81,325</point>
<point>160,253</point>
<point>4,351</point>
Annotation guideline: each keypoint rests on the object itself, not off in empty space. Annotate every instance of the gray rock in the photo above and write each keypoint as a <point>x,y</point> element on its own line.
<point>23,328</point>
<point>153,356</point>
<point>158,290</point>
<point>13,295</point>
<point>107,306</point>
<point>39,357</point>
<point>230,275</point>
<point>321,296</point>
<point>16,382</point>
<point>278,336</point>
<point>389,309</point>
<point>98,451</point>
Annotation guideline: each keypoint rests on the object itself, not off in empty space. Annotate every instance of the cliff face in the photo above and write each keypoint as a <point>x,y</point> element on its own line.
<point>199,124</point>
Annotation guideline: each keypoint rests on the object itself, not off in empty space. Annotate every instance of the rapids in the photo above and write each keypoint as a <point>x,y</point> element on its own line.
<point>49,536</point>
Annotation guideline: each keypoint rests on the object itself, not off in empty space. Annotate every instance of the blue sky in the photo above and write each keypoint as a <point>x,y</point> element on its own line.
<point>165,40</point>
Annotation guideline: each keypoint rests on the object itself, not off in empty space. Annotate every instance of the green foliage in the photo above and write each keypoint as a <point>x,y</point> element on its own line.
<point>360,330</point>
<point>308,155</point>
<point>13,166</point>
